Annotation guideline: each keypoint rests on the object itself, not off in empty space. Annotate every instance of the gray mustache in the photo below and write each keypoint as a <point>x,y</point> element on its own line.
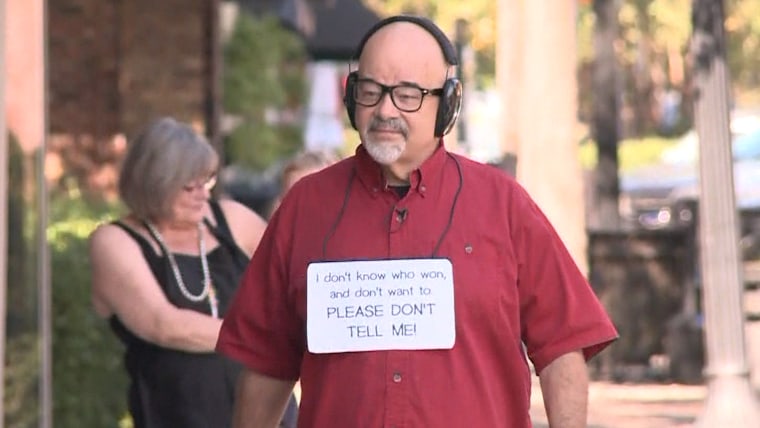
<point>394,124</point>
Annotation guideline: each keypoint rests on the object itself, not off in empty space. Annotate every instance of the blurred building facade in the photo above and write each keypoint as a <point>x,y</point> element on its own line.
<point>76,78</point>
<point>115,65</point>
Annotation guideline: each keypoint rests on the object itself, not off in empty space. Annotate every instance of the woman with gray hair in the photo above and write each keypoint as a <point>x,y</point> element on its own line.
<point>164,274</point>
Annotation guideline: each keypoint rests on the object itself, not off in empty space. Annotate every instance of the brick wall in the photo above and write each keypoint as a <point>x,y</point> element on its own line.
<point>162,65</point>
<point>113,65</point>
<point>83,66</point>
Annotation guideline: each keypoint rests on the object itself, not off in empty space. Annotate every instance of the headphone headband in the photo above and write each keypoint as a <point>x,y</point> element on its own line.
<point>449,52</point>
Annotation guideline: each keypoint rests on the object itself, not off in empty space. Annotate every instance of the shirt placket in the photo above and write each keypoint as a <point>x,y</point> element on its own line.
<point>397,389</point>
<point>397,362</point>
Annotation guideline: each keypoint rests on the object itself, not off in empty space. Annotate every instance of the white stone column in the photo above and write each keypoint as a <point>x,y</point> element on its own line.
<point>730,400</point>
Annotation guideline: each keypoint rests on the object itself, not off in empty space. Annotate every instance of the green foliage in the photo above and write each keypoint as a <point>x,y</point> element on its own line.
<point>21,379</point>
<point>480,15</point>
<point>89,381</point>
<point>89,385</point>
<point>632,153</point>
<point>743,29</point>
<point>653,52</point>
<point>263,87</point>
<point>652,33</point>
<point>256,145</point>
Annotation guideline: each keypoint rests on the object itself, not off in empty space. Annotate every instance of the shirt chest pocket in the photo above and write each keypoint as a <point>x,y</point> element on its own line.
<point>485,277</point>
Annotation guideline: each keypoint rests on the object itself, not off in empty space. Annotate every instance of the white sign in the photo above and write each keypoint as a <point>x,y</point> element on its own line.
<point>380,305</point>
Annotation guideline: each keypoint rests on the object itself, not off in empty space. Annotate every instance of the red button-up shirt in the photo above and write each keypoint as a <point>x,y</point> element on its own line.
<point>516,291</point>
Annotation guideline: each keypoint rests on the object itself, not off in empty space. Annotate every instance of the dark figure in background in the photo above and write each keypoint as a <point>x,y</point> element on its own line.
<point>502,287</point>
<point>164,275</point>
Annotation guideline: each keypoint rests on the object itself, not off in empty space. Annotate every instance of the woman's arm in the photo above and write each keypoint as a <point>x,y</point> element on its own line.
<point>123,284</point>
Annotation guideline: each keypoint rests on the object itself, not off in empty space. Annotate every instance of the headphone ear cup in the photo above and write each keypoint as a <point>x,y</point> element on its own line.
<point>449,106</point>
<point>348,97</point>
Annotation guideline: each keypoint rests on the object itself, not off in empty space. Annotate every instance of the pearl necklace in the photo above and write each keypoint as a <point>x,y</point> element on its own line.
<point>208,288</point>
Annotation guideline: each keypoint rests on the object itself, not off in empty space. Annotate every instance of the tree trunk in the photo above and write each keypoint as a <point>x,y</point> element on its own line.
<point>603,212</point>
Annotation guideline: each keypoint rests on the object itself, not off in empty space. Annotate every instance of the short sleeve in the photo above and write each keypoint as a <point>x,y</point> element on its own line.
<point>262,329</point>
<point>559,312</point>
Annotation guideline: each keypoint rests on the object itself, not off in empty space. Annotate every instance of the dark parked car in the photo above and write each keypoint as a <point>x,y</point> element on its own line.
<point>665,195</point>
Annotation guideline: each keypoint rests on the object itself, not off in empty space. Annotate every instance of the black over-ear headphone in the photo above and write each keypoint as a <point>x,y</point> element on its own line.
<point>451,97</point>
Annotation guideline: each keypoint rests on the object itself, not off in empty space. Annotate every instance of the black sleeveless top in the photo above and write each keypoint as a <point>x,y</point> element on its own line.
<point>171,388</point>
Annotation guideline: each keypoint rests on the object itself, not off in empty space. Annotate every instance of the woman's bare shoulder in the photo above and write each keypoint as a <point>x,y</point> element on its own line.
<point>107,236</point>
<point>246,225</point>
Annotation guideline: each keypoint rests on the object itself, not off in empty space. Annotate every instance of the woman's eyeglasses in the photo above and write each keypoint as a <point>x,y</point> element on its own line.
<point>207,185</point>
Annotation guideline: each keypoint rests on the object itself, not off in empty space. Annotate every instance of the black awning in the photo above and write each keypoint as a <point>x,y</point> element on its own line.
<point>331,29</point>
<point>339,26</point>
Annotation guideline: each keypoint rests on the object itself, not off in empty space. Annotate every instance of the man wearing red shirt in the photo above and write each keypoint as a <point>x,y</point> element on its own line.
<point>404,286</point>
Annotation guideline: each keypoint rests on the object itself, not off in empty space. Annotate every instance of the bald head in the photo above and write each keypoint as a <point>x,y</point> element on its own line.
<point>404,47</point>
<point>407,40</point>
<point>449,52</point>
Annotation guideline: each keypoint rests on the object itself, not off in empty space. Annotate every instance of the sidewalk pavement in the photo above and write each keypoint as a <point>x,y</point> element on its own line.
<point>630,405</point>
<point>649,405</point>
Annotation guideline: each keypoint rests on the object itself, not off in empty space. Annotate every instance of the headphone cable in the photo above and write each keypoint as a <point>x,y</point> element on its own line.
<point>347,196</point>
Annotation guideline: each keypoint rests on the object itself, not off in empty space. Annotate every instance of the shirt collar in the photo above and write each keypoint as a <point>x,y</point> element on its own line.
<point>420,180</point>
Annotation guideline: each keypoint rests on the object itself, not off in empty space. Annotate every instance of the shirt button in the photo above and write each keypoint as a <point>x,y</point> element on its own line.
<point>422,188</point>
<point>397,377</point>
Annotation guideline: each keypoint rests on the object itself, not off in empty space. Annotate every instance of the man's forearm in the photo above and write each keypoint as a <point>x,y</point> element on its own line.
<point>564,384</point>
<point>260,400</point>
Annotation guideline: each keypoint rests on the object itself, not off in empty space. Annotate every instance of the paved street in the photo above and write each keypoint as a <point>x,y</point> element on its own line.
<point>634,405</point>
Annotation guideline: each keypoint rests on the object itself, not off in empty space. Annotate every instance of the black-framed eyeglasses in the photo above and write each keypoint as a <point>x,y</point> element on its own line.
<point>407,97</point>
